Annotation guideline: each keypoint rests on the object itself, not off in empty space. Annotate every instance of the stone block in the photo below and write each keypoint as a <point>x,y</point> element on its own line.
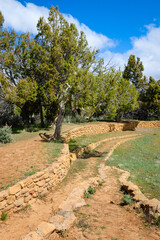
<point>9,207</point>
<point>3,195</point>
<point>19,202</point>
<point>32,236</point>
<point>3,204</point>
<point>15,189</point>
<point>10,199</point>
<point>41,183</point>
<point>45,229</point>
<point>26,199</point>
<point>24,190</point>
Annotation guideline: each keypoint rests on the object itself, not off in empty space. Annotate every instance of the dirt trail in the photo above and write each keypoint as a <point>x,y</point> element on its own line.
<point>103,219</point>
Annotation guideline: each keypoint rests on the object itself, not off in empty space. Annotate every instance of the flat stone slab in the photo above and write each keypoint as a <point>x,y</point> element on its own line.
<point>63,220</point>
<point>46,229</point>
<point>32,236</point>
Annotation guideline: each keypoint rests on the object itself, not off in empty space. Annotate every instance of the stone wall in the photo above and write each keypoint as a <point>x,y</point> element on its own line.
<point>24,192</point>
<point>103,127</point>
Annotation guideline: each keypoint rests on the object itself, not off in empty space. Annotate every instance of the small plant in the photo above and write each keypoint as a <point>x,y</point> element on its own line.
<point>115,239</point>
<point>127,199</point>
<point>87,195</point>
<point>91,190</point>
<point>4,216</point>
<point>5,134</point>
<point>103,227</point>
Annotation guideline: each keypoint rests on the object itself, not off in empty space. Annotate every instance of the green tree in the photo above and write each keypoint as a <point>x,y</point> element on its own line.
<point>134,72</point>
<point>116,96</point>
<point>66,52</point>
<point>152,96</point>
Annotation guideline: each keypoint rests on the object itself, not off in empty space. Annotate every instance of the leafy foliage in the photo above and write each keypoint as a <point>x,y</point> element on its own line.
<point>5,134</point>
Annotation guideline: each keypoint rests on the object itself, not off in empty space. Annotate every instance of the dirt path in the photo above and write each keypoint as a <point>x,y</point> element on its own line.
<point>102,218</point>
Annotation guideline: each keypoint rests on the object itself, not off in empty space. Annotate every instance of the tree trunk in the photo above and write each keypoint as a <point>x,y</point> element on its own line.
<point>41,116</point>
<point>57,133</point>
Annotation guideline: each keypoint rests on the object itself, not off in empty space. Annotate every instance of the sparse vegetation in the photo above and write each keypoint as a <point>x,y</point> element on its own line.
<point>4,216</point>
<point>127,199</point>
<point>5,134</point>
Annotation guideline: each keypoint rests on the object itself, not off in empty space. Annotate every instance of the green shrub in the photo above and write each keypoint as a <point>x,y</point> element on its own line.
<point>127,199</point>
<point>5,134</point>
<point>91,190</point>
<point>4,216</point>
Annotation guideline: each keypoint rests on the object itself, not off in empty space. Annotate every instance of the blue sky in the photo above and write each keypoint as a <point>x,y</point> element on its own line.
<point>118,28</point>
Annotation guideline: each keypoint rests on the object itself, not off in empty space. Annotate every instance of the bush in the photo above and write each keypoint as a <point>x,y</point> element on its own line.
<point>5,134</point>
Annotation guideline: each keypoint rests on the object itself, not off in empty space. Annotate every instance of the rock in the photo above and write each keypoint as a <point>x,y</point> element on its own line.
<point>15,189</point>
<point>3,194</point>
<point>19,202</point>
<point>10,199</point>
<point>41,183</point>
<point>26,199</point>
<point>46,229</point>
<point>3,204</point>
<point>32,236</point>
<point>63,220</point>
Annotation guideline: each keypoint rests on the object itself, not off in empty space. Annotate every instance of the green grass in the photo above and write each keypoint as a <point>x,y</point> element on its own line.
<point>53,151</point>
<point>85,140</point>
<point>141,157</point>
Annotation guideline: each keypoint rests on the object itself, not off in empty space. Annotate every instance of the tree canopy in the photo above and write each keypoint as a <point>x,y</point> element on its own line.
<point>57,68</point>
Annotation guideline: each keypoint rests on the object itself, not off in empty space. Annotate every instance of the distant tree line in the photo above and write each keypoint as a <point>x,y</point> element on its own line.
<point>56,73</point>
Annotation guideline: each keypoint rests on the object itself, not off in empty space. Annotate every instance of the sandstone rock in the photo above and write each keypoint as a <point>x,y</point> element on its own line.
<point>15,189</point>
<point>28,181</point>
<point>3,204</point>
<point>26,199</point>
<point>63,220</point>
<point>19,202</point>
<point>9,207</point>
<point>41,183</point>
<point>46,229</point>
<point>32,236</point>
<point>3,195</point>
<point>10,199</point>
<point>24,190</point>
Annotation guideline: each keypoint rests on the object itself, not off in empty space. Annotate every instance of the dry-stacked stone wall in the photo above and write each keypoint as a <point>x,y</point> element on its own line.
<point>24,192</point>
<point>100,127</point>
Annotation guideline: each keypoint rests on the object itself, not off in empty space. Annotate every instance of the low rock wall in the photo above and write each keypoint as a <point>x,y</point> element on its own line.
<point>102,127</point>
<point>26,191</point>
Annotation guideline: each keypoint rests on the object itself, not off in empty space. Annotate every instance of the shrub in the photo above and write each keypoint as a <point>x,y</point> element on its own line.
<point>5,134</point>
<point>4,216</point>
<point>127,199</point>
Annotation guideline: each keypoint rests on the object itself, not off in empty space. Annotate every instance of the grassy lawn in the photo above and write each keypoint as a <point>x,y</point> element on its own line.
<point>85,140</point>
<point>141,157</point>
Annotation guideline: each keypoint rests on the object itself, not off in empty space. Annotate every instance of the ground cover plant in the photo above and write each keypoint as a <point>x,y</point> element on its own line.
<point>141,157</point>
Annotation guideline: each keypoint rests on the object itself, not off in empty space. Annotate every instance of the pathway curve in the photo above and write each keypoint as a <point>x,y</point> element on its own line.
<point>102,218</point>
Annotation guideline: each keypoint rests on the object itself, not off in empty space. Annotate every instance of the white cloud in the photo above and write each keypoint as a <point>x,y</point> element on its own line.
<point>24,18</point>
<point>95,40</point>
<point>21,18</point>
<point>146,47</point>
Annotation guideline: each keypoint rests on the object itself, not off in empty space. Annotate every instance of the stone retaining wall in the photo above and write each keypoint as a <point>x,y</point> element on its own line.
<point>24,192</point>
<point>103,127</point>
